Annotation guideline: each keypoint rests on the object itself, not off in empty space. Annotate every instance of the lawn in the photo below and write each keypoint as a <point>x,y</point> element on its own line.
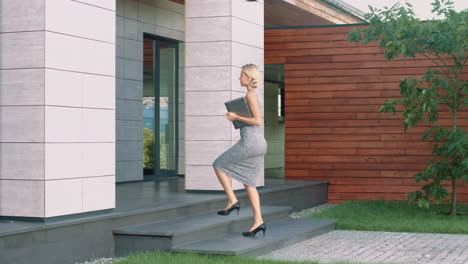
<point>192,258</point>
<point>369,216</point>
<point>396,217</point>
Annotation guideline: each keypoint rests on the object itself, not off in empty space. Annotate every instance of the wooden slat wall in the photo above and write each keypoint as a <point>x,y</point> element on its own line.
<point>333,90</point>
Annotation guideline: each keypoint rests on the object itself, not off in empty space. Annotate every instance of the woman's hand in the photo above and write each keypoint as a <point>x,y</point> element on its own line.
<point>232,116</point>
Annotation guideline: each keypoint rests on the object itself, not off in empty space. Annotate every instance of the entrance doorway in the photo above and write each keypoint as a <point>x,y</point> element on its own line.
<point>160,82</point>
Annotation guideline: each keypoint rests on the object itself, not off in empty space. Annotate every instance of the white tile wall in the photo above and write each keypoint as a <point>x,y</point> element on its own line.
<point>252,11</point>
<point>17,16</point>
<point>80,54</point>
<point>207,8</point>
<point>64,88</point>
<point>208,78</point>
<point>74,160</point>
<point>98,125</point>
<point>207,103</point>
<point>221,37</point>
<point>22,50</point>
<point>208,54</point>
<point>63,124</point>
<point>74,96</point>
<point>207,128</point>
<point>99,91</point>
<point>98,192</point>
<point>247,33</point>
<point>63,197</point>
<point>66,17</point>
<point>22,124</point>
<point>204,153</point>
<point>98,159</point>
<point>208,29</point>
<point>205,178</point>
<point>101,3</point>
<point>22,198</point>
<point>63,160</point>
<point>21,161</point>
<point>243,54</point>
<point>22,87</point>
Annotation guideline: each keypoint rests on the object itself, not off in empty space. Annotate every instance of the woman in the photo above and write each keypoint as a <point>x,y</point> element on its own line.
<point>243,161</point>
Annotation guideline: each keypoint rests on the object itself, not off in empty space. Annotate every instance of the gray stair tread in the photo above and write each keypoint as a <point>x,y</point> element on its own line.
<point>236,244</point>
<point>192,223</point>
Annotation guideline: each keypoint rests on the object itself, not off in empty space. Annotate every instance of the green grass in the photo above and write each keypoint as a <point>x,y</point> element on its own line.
<point>193,258</point>
<point>396,217</point>
<point>370,216</point>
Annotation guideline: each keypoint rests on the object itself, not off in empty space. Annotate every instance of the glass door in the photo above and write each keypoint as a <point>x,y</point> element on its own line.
<point>160,146</point>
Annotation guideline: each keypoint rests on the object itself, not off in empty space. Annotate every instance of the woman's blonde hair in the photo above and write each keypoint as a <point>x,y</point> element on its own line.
<point>252,71</point>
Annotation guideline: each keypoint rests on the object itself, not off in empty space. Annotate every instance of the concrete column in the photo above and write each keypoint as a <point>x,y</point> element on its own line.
<point>221,36</point>
<point>57,107</point>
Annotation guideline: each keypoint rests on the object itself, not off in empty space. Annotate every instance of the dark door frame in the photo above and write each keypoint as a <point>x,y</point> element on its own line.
<point>157,42</point>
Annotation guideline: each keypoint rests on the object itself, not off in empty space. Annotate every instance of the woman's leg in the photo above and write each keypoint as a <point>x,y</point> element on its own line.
<point>255,202</point>
<point>226,183</point>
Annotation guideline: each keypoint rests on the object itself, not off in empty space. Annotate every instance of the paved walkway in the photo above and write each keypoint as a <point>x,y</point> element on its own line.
<point>378,247</point>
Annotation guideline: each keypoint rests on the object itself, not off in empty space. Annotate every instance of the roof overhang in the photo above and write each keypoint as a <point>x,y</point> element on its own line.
<point>286,13</point>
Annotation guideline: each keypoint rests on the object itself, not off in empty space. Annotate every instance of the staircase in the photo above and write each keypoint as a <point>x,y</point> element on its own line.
<point>215,234</point>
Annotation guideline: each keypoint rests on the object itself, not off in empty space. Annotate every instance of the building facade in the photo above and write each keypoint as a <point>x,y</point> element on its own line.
<point>94,93</point>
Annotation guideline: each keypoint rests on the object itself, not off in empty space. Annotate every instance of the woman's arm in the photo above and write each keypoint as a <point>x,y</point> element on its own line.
<point>254,108</point>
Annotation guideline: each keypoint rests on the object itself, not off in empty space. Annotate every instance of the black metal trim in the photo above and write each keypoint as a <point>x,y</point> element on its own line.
<point>317,26</point>
<point>157,42</point>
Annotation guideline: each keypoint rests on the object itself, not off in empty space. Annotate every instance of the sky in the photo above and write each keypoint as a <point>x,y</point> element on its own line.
<point>422,8</point>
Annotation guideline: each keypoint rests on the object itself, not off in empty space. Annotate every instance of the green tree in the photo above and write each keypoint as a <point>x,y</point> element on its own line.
<point>444,42</point>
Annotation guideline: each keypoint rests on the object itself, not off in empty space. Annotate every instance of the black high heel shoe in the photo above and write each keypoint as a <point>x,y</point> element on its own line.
<point>228,211</point>
<point>254,232</point>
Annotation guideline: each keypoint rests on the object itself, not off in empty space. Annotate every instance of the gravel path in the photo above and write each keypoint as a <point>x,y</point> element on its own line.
<point>314,209</point>
<point>100,261</point>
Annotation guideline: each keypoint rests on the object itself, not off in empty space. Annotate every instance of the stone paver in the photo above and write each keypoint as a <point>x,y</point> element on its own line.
<point>378,247</point>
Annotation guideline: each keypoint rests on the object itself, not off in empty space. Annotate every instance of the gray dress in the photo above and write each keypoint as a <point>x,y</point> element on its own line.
<point>244,160</point>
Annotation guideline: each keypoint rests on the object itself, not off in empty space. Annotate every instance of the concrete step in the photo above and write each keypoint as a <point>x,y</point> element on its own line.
<point>278,234</point>
<point>168,234</point>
